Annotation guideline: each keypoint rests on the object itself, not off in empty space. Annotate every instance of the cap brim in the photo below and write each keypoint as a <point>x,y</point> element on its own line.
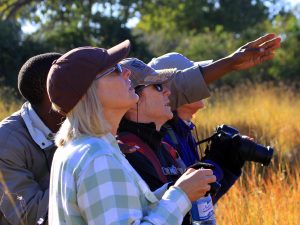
<point>118,52</point>
<point>163,76</point>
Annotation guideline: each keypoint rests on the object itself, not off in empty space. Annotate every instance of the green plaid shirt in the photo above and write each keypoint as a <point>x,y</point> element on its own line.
<point>92,183</point>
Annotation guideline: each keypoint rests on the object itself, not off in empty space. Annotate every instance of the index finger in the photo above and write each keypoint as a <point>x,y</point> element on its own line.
<point>206,172</point>
<point>261,40</point>
<point>272,43</point>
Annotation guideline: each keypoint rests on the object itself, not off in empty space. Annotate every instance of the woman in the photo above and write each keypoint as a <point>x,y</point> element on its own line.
<point>141,124</point>
<point>91,181</point>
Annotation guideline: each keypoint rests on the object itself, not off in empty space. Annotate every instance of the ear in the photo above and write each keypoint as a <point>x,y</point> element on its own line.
<point>142,97</point>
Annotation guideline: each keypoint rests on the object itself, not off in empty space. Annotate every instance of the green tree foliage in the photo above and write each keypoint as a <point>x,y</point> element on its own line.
<point>67,24</point>
<point>10,45</point>
<point>200,29</point>
<point>198,15</point>
<point>287,65</point>
<point>61,26</point>
<point>14,51</point>
<point>213,29</point>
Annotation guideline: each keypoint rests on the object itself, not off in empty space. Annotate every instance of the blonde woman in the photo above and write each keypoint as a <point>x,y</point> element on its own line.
<point>91,181</point>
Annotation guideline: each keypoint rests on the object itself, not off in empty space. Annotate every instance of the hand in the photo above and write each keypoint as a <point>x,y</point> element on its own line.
<point>255,52</point>
<point>195,183</point>
<point>225,155</point>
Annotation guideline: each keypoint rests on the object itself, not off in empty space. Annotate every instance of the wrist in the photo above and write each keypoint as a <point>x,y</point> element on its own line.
<point>229,63</point>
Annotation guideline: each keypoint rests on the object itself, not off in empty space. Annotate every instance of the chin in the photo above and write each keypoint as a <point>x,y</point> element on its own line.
<point>170,115</point>
<point>134,97</point>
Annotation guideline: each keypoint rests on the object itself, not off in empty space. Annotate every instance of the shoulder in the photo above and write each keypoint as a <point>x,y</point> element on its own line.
<point>89,145</point>
<point>12,123</point>
<point>14,134</point>
<point>84,150</point>
<point>128,138</point>
<point>131,143</point>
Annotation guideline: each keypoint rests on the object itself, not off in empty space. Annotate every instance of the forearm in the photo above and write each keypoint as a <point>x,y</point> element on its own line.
<point>247,56</point>
<point>216,69</point>
<point>171,208</point>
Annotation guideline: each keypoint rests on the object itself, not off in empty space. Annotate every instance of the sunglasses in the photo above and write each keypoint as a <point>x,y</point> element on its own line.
<point>158,87</point>
<point>117,68</point>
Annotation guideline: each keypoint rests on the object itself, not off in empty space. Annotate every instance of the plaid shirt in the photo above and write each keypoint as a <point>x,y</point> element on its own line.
<point>92,183</point>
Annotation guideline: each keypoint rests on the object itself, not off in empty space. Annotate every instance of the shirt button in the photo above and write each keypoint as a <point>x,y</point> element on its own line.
<point>50,136</point>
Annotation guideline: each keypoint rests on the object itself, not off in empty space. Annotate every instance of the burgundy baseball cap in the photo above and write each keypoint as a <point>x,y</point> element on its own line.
<point>71,75</point>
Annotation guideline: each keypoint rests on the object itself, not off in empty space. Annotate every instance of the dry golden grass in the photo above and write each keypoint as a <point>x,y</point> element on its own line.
<point>267,113</point>
<point>263,196</point>
<point>256,201</point>
<point>7,108</point>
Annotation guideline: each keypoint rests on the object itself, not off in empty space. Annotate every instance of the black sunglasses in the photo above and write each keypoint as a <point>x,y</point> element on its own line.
<point>158,87</point>
<point>117,68</point>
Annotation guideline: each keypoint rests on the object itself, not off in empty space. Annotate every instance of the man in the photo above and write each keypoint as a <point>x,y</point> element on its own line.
<point>27,148</point>
<point>178,130</point>
<point>191,89</point>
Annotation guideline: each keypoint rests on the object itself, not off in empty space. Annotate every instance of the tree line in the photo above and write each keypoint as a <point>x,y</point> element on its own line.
<point>199,29</point>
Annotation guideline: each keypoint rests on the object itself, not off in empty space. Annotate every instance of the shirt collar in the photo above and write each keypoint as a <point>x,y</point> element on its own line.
<point>146,131</point>
<point>39,132</point>
<point>187,124</point>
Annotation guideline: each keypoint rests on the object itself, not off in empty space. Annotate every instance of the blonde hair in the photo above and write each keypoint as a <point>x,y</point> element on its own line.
<point>86,118</point>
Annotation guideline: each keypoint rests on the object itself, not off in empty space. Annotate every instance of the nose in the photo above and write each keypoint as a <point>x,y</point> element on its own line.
<point>166,91</point>
<point>126,73</point>
<point>201,104</point>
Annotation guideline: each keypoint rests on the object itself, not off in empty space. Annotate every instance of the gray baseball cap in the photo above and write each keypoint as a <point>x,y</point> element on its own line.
<point>142,74</point>
<point>175,60</point>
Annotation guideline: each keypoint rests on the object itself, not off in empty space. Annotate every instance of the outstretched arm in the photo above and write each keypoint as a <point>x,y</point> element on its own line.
<point>247,56</point>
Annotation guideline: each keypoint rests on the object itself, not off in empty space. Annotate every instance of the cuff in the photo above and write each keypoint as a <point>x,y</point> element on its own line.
<point>179,197</point>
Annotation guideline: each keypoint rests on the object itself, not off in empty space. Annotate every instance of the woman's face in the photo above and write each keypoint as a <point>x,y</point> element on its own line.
<point>154,104</point>
<point>115,91</point>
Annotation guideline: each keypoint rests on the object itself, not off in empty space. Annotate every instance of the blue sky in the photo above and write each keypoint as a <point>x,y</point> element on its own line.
<point>294,1</point>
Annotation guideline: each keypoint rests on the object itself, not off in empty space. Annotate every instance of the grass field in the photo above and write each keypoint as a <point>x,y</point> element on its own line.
<point>271,115</point>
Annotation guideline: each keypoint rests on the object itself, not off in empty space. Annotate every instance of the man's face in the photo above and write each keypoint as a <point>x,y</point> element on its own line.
<point>154,104</point>
<point>191,108</point>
